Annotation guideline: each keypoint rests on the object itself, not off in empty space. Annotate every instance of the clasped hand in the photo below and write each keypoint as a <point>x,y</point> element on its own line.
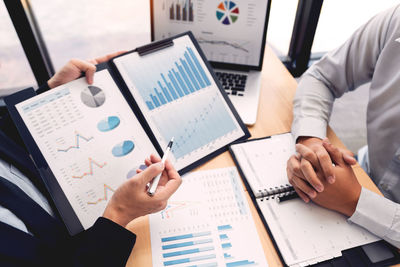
<point>322,173</point>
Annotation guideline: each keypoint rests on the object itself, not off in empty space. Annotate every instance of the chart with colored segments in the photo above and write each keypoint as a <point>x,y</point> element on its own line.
<point>207,222</point>
<point>90,139</point>
<point>227,12</point>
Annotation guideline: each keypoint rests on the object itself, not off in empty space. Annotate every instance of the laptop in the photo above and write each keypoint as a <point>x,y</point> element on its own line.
<point>232,35</point>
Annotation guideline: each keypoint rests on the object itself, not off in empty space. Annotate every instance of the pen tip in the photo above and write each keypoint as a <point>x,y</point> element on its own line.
<point>172,139</point>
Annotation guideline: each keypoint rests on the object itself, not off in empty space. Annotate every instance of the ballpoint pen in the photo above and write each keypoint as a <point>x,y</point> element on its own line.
<point>156,180</point>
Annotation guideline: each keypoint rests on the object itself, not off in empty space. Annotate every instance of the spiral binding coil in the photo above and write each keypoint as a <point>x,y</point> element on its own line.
<point>275,192</point>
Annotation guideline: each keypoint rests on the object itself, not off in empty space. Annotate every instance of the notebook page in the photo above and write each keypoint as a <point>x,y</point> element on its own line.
<point>263,161</point>
<point>307,233</point>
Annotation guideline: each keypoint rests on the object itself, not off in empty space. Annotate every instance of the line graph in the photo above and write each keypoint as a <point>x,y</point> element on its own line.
<point>78,136</point>
<point>107,189</point>
<point>91,163</point>
<point>223,43</point>
<point>175,206</point>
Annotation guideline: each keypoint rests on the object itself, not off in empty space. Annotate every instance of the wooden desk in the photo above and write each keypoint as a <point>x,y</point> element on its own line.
<point>274,116</point>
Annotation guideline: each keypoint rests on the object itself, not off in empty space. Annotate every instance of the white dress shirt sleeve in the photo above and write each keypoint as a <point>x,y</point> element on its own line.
<point>378,215</point>
<point>340,71</point>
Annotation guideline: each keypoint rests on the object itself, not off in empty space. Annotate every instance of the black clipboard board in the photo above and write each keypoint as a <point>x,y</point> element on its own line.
<point>357,256</point>
<point>62,204</point>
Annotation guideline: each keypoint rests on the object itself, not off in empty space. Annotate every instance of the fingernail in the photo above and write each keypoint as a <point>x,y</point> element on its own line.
<point>160,165</point>
<point>331,179</point>
<point>320,188</point>
<point>313,194</point>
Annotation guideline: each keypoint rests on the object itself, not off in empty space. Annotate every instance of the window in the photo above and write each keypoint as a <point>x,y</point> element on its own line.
<point>280,25</point>
<point>92,28</point>
<point>340,18</point>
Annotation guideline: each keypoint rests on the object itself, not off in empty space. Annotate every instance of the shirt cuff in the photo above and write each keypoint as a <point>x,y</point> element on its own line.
<point>374,212</point>
<point>309,126</point>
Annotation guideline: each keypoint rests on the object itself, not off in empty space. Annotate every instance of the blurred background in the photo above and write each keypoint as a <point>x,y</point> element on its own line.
<point>91,28</point>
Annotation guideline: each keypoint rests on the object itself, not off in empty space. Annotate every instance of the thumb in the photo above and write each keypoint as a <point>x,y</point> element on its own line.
<point>152,171</point>
<point>334,152</point>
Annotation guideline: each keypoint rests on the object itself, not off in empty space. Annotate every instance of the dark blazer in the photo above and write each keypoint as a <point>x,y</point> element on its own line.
<point>104,244</point>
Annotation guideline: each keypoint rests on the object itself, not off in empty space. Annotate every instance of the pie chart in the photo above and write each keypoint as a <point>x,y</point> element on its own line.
<point>227,12</point>
<point>108,124</point>
<point>132,172</point>
<point>93,96</point>
<point>123,149</point>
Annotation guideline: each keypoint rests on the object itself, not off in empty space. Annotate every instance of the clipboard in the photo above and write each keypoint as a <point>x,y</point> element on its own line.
<point>379,253</point>
<point>95,99</point>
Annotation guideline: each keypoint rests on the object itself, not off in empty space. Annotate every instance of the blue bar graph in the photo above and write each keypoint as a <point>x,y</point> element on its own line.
<point>179,237</point>
<point>223,236</point>
<point>201,70</point>
<point>160,96</point>
<point>186,252</point>
<point>181,83</point>
<point>211,264</point>
<point>150,105</point>
<point>192,259</point>
<point>175,83</point>
<point>226,245</point>
<point>224,227</point>
<point>195,72</point>
<point>239,263</point>
<point>164,90</point>
<point>155,100</point>
<point>187,244</point>
<point>171,90</point>
<point>227,256</point>
<point>189,72</point>
<point>184,76</point>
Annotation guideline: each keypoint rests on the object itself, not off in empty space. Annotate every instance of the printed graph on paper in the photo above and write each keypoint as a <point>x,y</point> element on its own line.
<point>92,163</point>
<point>105,197</point>
<point>77,143</point>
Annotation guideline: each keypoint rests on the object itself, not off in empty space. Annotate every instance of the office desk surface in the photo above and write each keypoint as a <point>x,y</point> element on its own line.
<point>274,116</point>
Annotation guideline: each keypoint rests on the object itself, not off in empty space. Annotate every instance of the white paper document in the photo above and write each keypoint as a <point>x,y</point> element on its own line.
<point>90,139</point>
<point>207,222</point>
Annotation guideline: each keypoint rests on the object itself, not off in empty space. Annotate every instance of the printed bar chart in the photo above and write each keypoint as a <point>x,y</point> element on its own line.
<point>191,129</point>
<point>185,248</point>
<point>187,260</point>
<point>184,77</point>
<point>188,251</point>
<point>173,238</point>
<point>187,244</point>
<point>181,12</point>
<point>240,263</point>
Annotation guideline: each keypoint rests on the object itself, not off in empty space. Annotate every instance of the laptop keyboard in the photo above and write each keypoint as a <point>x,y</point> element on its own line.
<point>233,84</point>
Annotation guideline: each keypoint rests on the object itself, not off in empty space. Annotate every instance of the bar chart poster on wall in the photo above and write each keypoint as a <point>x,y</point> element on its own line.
<point>207,222</point>
<point>179,98</point>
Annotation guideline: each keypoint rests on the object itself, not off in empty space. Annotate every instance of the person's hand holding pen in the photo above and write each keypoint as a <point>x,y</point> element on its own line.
<point>131,199</point>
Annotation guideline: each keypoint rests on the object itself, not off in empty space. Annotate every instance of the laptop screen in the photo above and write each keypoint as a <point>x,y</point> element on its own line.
<point>229,32</point>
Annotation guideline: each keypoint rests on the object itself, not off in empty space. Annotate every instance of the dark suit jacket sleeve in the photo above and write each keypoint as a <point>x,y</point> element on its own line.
<point>104,244</point>
<point>7,125</point>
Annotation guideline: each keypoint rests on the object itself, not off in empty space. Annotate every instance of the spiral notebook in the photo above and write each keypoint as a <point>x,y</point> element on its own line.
<point>262,162</point>
<point>304,234</point>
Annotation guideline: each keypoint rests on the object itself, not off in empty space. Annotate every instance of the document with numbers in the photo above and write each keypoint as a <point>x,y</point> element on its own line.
<point>305,234</point>
<point>207,222</point>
